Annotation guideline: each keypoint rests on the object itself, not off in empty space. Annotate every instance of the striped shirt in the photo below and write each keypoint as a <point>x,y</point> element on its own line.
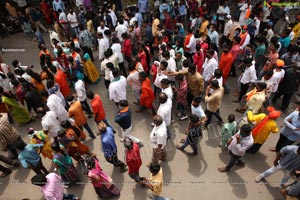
<point>8,134</point>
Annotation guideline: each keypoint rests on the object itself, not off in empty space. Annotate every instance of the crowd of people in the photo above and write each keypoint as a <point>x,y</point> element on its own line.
<point>175,56</point>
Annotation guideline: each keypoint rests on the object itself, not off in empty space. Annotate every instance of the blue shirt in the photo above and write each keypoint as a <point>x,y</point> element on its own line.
<point>123,118</point>
<point>109,146</point>
<point>28,156</point>
<point>290,159</point>
<point>288,129</point>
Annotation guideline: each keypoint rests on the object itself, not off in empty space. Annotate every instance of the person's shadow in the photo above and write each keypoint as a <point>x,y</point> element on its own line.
<point>274,191</point>
<point>118,177</point>
<point>22,174</point>
<point>139,192</point>
<point>4,182</point>
<point>238,185</point>
<point>257,162</point>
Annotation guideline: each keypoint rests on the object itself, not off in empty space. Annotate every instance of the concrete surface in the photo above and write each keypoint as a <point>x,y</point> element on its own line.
<point>185,177</point>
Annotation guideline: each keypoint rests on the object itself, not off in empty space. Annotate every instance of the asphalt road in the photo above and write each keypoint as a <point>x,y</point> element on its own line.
<point>185,177</point>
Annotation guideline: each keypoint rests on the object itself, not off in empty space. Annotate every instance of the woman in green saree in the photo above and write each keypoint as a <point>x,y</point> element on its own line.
<point>18,113</point>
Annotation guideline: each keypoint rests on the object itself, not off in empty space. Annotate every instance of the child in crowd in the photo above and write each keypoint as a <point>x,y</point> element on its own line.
<point>228,130</point>
<point>181,95</point>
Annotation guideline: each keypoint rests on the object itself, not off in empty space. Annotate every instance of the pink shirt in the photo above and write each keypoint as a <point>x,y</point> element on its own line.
<point>53,190</point>
<point>235,50</point>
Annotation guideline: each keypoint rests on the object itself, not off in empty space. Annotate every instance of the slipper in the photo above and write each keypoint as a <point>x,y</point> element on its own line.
<point>273,149</point>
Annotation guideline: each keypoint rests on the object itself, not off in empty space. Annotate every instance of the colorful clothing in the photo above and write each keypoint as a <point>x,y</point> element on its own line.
<point>90,70</point>
<point>19,114</point>
<point>39,137</point>
<point>228,130</point>
<point>147,95</point>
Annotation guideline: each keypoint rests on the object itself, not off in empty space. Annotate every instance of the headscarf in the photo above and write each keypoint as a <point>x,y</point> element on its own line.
<point>273,114</point>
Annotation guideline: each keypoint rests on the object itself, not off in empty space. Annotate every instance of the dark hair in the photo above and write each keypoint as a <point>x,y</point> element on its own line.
<point>154,168</point>
<point>15,63</point>
<point>90,94</point>
<point>123,103</point>
<point>165,81</point>
<point>214,84</point>
<point>179,77</point>
<point>44,93</point>
<point>70,98</point>
<point>197,99</point>
<point>162,97</point>
<point>269,73</point>
<point>115,72</point>
<point>246,129</point>
<point>237,39</point>
<point>34,75</point>
<point>218,72</point>
<point>194,118</point>
<point>143,74</point>
<point>39,180</point>
<point>231,118</point>
<point>164,63</point>
<point>55,147</point>
<point>50,83</point>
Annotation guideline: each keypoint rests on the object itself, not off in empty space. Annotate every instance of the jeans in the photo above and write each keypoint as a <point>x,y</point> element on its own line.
<point>86,107</point>
<point>89,130</point>
<point>106,83</point>
<point>274,169</point>
<point>19,144</point>
<point>126,133</point>
<point>210,114</point>
<point>115,161</point>
<point>180,108</point>
<point>39,168</point>
<point>233,159</point>
<point>123,69</point>
<point>193,145</point>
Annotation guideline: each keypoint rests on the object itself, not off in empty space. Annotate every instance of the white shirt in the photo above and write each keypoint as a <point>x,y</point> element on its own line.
<point>257,24</point>
<point>192,45</point>
<point>132,20</point>
<point>113,59</point>
<point>80,90</point>
<point>4,68</point>
<point>50,123</point>
<point>209,67</point>
<point>249,75</point>
<point>54,103</point>
<point>120,29</point>
<point>79,2</point>
<point>164,111</point>
<point>117,89</point>
<point>223,10</point>
<point>133,80</point>
<point>269,34</point>
<point>168,91</point>
<point>63,17</point>
<point>159,77</point>
<point>214,37</point>
<point>116,48</point>
<point>198,111</point>
<point>158,136</point>
<point>72,18</point>
<point>228,27</point>
<point>113,17</point>
<point>241,148</point>
<point>276,78</point>
<point>103,46</point>
<point>171,68</point>
<point>101,30</point>
<point>58,5</point>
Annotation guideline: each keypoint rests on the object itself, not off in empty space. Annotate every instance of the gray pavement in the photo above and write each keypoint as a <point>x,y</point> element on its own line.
<point>185,177</point>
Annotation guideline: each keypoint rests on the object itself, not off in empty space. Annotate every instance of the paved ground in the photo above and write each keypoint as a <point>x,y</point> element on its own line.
<point>185,177</point>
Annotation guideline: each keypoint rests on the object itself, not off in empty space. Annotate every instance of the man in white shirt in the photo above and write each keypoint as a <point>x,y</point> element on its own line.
<point>239,144</point>
<point>120,29</point>
<point>222,11</point>
<point>171,67</point>
<point>103,45</point>
<point>50,123</point>
<point>117,49</point>
<point>190,44</point>
<point>227,28</point>
<point>72,18</point>
<point>245,37</point>
<point>55,104</point>
<point>117,87</point>
<point>248,77</point>
<point>165,110</point>
<point>101,28</point>
<point>209,66</point>
<point>158,139</point>
<point>81,95</point>
<point>213,35</point>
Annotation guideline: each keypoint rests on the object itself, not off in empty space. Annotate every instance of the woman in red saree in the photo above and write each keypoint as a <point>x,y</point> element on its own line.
<point>47,11</point>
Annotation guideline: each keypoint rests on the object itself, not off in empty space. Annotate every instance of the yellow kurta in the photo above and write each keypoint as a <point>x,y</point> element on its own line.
<point>264,133</point>
<point>296,30</point>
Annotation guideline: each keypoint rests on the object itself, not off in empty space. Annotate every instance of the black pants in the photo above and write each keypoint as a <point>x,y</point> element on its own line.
<point>115,161</point>
<point>285,100</point>
<point>86,107</point>
<point>19,144</point>
<point>189,56</point>
<point>40,168</point>
<point>210,114</point>
<point>89,130</point>
<point>254,149</point>
<point>122,68</point>
<point>233,159</point>
<point>282,142</point>
<point>244,89</point>
<point>189,98</point>
<point>106,83</point>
